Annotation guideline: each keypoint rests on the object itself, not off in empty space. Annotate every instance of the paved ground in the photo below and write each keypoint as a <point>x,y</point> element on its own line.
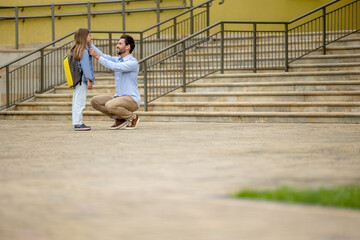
<point>172,181</point>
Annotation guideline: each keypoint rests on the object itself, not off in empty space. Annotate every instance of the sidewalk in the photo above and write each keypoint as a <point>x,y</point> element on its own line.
<point>172,181</point>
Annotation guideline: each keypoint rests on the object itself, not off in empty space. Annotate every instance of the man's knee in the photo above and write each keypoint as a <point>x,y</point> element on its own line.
<point>93,101</point>
<point>110,106</point>
<point>114,107</point>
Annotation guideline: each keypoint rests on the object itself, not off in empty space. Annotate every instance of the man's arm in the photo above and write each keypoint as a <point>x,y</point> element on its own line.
<point>108,57</point>
<point>128,66</point>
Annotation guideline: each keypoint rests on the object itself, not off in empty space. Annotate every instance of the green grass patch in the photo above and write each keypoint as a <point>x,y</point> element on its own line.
<point>342,196</point>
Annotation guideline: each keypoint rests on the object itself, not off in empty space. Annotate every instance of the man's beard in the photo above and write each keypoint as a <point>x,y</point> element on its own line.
<point>119,52</point>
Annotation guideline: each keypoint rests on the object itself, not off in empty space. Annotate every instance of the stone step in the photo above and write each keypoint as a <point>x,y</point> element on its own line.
<point>313,96</point>
<point>292,36</point>
<point>99,89</point>
<point>236,87</point>
<point>262,66</point>
<point>294,67</point>
<point>48,106</point>
<point>210,67</point>
<point>282,76</point>
<point>239,62</point>
<point>302,96</point>
<point>211,106</point>
<point>278,43</point>
<point>240,76</point>
<point>247,60</point>
<point>330,58</point>
<point>237,76</point>
<point>275,86</point>
<point>63,97</point>
<point>240,117</point>
<point>331,49</point>
<point>246,51</point>
<point>256,106</point>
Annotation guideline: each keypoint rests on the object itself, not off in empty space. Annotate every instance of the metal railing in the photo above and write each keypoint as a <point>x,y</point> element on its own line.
<point>89,12</point>
<point>42,69</point>
<point>161,35</point>
<point>245,45</point>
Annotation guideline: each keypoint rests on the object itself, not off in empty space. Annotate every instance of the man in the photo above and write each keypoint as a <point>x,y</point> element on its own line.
<point>126,101</point>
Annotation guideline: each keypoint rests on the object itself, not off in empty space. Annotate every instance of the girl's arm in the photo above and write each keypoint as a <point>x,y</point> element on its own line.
<point>85,66</point>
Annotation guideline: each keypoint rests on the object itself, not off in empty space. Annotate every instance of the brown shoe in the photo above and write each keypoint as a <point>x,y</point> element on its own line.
<point>133,123</point>
<point>119,123</point>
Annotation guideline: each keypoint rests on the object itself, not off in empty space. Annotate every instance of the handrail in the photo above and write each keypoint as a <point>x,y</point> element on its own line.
<point>206,29</point>
<point>244,22</point>
<point>37,50</point>
<point>179,14</point>
<point>99,31</point>
<point>287,45</point>
<point>56,41</point>
<point>71,3</point>
<point>313,11</point>
<point>91,13</point>
<point>45,67</point>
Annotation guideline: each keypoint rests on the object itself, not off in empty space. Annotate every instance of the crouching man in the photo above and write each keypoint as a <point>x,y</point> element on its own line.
<point>126,101</point>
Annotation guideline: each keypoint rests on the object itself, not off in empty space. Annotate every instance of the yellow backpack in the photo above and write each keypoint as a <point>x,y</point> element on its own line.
<point>72,72</point>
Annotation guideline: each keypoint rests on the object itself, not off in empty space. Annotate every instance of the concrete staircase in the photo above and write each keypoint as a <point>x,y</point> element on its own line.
<point>318,88</point>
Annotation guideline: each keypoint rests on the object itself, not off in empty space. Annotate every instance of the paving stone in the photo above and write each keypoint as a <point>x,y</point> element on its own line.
<point>172,180</point>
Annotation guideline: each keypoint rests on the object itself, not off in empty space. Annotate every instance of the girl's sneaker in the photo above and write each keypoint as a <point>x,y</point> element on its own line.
<point>82,127</point>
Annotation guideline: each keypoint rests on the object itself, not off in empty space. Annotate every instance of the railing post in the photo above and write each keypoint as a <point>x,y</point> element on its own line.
<point>53,22</point>
<point>123,15</point>
<point>208,18</point>
<point>175,33</point>
<point>145,87</point>
<point>7,86</point>
<point>158,17</point>
<point>356,14</point>
<point>141,49</point>
<point>222,49</point>
<point>184,66</point>
<point>286,47</point>
<point>89,15</point>
<point>42,68</point>
<point>16,27</point>
<point>254,51</point>
<point>324,31</point>
<point>191,18</point>
<point>110,41</point>
<point>141,45</point>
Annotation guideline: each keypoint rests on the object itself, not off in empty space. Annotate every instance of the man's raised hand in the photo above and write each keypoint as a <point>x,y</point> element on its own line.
<point>93,53</point>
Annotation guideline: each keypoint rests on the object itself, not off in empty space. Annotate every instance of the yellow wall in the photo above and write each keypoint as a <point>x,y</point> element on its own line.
<point>262,10</point>
<point>39,30</point>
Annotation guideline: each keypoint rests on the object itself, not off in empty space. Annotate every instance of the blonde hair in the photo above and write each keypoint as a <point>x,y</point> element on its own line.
<point>80,42</point>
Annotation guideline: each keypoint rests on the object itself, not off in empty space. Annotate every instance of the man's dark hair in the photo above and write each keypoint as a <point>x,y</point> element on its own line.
<point>129,41</point>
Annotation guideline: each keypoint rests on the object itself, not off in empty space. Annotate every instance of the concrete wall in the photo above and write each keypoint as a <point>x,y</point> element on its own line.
<point>39,30</point>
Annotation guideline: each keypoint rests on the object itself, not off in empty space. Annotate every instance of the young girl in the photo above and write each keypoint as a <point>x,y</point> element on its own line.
<point>80,51</point>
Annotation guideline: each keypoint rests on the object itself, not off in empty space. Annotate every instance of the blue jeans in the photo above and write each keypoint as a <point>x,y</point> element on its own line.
<point>78,104</point>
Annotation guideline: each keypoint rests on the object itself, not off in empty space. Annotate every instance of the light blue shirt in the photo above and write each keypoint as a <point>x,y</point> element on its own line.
<point>86,66</point>
<point>126,72</point>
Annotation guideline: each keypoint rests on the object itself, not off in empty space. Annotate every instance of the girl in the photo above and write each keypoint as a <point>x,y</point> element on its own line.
<point>81,52</point>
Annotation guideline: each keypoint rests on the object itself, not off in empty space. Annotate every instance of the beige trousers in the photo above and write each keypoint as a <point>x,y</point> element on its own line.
<point>122,107</point>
